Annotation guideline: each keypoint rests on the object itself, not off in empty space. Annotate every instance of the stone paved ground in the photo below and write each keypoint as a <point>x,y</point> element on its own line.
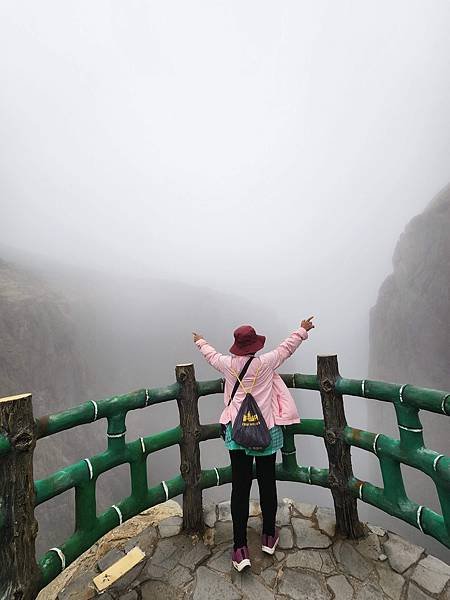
<point>310,564</point>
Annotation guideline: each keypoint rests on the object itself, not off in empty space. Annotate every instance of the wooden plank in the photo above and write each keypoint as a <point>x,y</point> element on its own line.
<point>103,581</point>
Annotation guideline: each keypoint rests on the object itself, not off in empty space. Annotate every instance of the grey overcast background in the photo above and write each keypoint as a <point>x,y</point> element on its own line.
<point>182,139</point>
<point>270,150</point>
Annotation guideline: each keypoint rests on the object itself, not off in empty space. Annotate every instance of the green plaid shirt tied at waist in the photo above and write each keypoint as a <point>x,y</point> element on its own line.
<point>276,434</point>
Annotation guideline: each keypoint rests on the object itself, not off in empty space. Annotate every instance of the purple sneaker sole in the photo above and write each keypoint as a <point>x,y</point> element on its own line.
<point>240,558</point>
<point>270,542</point>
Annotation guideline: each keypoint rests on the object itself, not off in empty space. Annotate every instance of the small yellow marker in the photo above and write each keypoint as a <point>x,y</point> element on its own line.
<point>118,569</point>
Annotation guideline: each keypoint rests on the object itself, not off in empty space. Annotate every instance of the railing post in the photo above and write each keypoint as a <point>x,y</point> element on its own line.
<point>190,448</point>
<point>19,573</point>
<point>339,457</point>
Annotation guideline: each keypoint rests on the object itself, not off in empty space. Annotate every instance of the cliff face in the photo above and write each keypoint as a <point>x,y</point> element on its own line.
<point>40,354</point>
<point>410,325</point>
<point>410,333</point>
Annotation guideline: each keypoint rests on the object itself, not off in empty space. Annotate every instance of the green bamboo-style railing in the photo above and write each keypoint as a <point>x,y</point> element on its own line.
<point>409,449</point>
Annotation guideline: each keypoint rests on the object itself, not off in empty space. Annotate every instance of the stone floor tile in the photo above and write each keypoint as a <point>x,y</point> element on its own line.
<point>328,564</point>
<point>370,591</point>
<point>286,538</point>
<point>259,559</point>
<point>306,510</point>
<point>146,541</point>
<point>326,520</point>
<point>401,554</point>
<point>170,526</point>
<point>302,586</point>
<point>221,562</point>
<point>169,551</point>
<point>283,514</point>
<point>279,555</point>
<point>198,553</point>
<point>251,586</point>
<point>131,595</point>
<point>305,559</point>
<point>80,588</point>
<point>109,559</point>
<point>159,590</point>
<point>340,587</point>
<point>125,582</point>
<point>223,532</point>
<point>391,582</point>
<point>210,585</point>
<point>269,576</point>
<point>415,593</point>
<point>306,536</point>
<point>431,574</point>
<point>351,561</point>
<point>179,576</point>
<point>369,546</point>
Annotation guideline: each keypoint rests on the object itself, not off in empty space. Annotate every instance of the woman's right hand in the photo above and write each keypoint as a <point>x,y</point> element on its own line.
<point>306,324</point>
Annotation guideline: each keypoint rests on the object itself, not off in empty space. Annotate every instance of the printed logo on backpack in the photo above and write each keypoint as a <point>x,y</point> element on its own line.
<point>249,427</point>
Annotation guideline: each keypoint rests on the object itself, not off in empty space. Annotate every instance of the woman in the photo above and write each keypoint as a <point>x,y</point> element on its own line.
<point>277,407</point>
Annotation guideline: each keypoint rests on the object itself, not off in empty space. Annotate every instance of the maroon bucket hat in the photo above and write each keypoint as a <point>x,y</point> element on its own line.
<point>247,341</point>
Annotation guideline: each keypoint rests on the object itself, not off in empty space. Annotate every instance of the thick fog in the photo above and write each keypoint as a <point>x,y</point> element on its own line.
<point>271,151</point>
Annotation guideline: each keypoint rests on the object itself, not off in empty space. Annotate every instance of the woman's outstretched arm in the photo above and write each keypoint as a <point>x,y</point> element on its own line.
<point>215,359</point>
<point>276,357</point>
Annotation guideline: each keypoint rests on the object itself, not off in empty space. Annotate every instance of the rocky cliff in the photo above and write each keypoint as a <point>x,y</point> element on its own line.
<point>410,335</point>
<point>40,354</point>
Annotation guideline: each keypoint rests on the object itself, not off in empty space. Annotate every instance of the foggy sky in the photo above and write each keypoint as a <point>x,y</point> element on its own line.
<point>185,139</point>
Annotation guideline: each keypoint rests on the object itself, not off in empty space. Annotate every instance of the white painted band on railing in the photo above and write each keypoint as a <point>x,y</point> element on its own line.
<point>217,475</point>
<point>95,409</point>
<point>142,445</point>
<point>363,387</point>
<point>309,474</point>
<point>443,403</point>
<point>435,461</point>
<point>166,489</point>
<point>375,443</point>
<point>400,392</point>
<point>147,397</point>
<point>62,558</point>
<point>360,490</point>
<point>419,513</point>
<point>117,509</point>
<point>291,452</point>
<point>411,429</point>
<point>293,380</point>
<point>89,464</point>
<point>222,384</point>
<point>116,435</point>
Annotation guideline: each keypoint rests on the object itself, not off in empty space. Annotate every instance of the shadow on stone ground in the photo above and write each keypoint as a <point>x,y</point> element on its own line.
<point>311,563</point>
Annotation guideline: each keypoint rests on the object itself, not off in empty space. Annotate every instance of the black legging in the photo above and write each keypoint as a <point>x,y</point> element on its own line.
<point>241,469</point>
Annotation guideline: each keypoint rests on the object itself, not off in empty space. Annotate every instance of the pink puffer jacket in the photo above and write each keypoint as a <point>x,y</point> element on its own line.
<point>269,390</point>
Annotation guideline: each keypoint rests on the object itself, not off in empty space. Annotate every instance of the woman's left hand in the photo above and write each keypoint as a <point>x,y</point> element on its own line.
<point>197,337</point>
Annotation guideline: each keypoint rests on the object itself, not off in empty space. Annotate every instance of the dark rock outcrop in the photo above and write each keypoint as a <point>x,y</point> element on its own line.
<point>410,337</point>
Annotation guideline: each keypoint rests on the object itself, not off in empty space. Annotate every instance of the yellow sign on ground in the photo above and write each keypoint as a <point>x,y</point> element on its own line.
<point>118,569</point>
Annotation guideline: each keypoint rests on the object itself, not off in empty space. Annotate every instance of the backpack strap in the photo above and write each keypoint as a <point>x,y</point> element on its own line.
<point>239,377</point>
